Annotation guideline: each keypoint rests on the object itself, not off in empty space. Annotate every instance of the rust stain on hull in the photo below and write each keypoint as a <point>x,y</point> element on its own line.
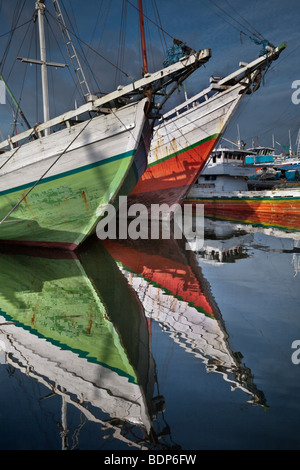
<point>83,195</point>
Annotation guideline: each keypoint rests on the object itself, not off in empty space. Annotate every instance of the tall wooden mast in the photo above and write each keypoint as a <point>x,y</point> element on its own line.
<point>144,53</point>
<point>40,12</point>
<point>40,6</point>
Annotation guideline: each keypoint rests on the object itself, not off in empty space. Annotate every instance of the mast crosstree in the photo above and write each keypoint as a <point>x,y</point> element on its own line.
<point>40,12</point>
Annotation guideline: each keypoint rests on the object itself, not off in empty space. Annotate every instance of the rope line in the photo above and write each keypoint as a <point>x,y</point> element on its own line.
<point>94,50</point>
<point>151,21</point>
<point>260,37</point>
<point>45,173</point>
<point>18,148</point>
<point>244,19</point>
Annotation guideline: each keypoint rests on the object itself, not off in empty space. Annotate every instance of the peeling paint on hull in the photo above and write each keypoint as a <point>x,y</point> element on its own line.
<point>62,209</point>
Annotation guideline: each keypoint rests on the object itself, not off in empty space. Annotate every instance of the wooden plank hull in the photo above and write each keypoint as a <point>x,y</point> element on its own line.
<point>102,161</point>
<point>181,145</point>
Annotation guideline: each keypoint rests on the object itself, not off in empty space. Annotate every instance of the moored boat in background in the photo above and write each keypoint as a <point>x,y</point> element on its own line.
<point>223,190</point>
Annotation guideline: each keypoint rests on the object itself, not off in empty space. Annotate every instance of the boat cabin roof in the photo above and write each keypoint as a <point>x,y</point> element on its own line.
<point>230,153</point>
<point>259,150</point>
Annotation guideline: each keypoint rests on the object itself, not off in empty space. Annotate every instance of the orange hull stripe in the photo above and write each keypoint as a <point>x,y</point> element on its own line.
<point>177,171</point>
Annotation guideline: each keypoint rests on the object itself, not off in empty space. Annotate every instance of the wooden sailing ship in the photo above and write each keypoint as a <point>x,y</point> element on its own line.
<point>54,186</point>
<point>184,137</point>
<point>64,325</point>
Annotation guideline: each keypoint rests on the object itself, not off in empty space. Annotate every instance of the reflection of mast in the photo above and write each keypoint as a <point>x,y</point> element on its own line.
<point>80,347</point>
<point>64,431</point>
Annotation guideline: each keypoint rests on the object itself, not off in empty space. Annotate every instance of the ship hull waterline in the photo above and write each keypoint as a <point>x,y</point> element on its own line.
<point>103,161</point>
<point>181,146</point>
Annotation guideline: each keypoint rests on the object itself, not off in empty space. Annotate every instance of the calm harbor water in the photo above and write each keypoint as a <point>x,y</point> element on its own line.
<point>147,345</point>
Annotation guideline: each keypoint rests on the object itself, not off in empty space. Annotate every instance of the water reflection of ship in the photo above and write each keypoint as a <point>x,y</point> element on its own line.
<point>228,242</point>
<point>222,243</point>
<point>63,323</point>
<point>174,292</point>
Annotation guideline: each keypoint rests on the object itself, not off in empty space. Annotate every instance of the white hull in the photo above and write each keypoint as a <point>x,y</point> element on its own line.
<point>193,122</point>
<point>70,375</point>
<point>272,193</point>
<point>81,145</point>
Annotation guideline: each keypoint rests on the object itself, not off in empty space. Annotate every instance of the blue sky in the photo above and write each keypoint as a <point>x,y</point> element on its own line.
<point>216,24</point>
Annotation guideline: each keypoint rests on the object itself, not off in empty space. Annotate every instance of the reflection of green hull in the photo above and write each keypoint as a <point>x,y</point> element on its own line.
<point>71,306</point>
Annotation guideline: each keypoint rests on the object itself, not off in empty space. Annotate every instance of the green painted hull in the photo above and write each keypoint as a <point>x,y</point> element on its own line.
<point>54,190</point>
<point>62,211</point>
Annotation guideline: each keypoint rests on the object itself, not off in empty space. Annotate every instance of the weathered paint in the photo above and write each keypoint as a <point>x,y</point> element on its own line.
<point>168,179</point>
<point>281,212</point>
<point>62,211</point>
<point>54,185</point>
<point>60,313</point>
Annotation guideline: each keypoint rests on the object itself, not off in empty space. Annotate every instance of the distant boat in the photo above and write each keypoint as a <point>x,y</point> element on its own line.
<point>222,187</point>
<point>184,137</point>
<point>272,168</point>
<point>55,185</point>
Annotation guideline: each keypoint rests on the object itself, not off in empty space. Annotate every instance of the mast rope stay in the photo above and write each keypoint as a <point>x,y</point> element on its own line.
<point>255,35</point>
<point>95,51</point>
<point>14,153</point>
<point>44,174</point>
<point>72,52</point>
<point>153,22</point>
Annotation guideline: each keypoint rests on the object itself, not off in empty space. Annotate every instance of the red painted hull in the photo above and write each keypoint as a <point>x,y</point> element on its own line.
<point>279,213</point>
<point>168,180</point>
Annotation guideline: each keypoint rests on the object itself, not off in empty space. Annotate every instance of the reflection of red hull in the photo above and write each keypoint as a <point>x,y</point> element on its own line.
<point>168,179</point>
<point>281,213</point>
<point>162,263</point>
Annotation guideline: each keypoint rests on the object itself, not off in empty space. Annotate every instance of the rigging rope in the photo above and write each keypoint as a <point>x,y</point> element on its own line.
<point>243,26</point>
<point>244,19</point>
<point>160,29</point>
<point>44,174</point>
<point>94,50</point>
<point>151,21</point>
<point>14,29</point>
<point>14,153</point>
<point>122,36</point>
<point>255,34</point>
<point>15,20</point>
<point>76,86</point>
